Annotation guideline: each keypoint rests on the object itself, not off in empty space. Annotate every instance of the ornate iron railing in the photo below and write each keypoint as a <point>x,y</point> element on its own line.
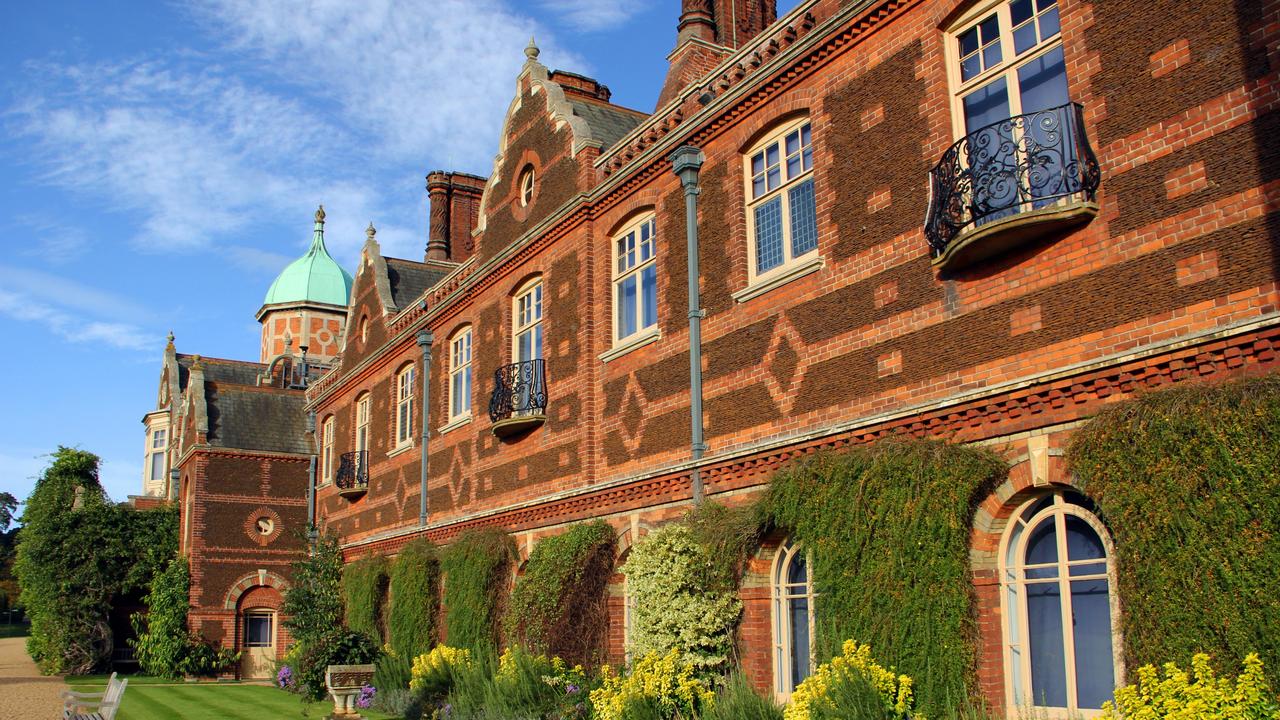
<point>1026,162</point>
<point>518,389</point>
<point>353,470</point>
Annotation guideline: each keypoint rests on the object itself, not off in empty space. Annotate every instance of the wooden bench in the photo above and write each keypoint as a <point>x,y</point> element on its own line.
<point>95,706</point>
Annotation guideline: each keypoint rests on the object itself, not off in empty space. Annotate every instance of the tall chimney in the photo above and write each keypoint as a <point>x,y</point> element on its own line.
<point>708,32</point>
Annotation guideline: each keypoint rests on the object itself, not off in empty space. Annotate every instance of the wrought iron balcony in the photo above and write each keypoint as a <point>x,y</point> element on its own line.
<point>519,400</point>
<point>1010,180</point>
<point>352,479</point>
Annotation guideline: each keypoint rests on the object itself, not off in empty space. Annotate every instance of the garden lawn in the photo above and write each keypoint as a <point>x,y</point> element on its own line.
<point>149,698</point>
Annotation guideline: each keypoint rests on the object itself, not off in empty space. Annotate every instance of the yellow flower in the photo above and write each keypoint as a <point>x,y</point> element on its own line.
<point>854,659</point>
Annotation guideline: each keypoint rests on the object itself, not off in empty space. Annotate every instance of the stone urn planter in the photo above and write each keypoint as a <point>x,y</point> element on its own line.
<point>344,683</point>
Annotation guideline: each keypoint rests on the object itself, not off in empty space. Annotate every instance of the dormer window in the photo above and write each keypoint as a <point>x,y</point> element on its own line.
<point>526,186</point>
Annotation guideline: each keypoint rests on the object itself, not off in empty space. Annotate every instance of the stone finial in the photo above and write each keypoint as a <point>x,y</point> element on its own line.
<point>370,231</point>
<point>531,51</point>
<point>320,214</point>
<point>195,363</point>
<point>169,337</point>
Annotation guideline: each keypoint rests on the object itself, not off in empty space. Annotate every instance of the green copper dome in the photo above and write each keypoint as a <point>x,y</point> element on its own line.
<point>315,277</point>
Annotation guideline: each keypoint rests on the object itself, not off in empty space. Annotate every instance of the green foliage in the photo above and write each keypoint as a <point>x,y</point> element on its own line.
<point>853,685</point>
<point>519,685</point>
<point>391,677</point>
<point>657,687</point>
<point>670,577</point>
<point>161,643</point>
<point>313,603</point>
<point>888,525</point>
<point>1188,482</point>
<point>475,566</point>
<point>77,552</point>
<point>364,592</point>
<point>202,658</point>
<point>341,647</point>
<point>1180,695</point>
<point>737,700</point>
<point>558,604</point>
<point>8,503</point>
<point>415,599</point>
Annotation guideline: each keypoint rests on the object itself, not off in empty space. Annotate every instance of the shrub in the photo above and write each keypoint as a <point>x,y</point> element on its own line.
<point>1199,694</point>
<point>415,599</point>
<point>1187,480</point>
<point>852,685</point>
<point>658,686</point>
<point>675,608</point>
<point>76,553</point>
<point>737,700</point>
<point>558,605</point>
<point>313,602</point>
<point>202,658</point>
<point>520,685</point>
<point>889,526</point>
<point>433,672</point>
<point>161,639</point>
<point>475,568</point>
<point>342,647</point>
<point>364,594</point>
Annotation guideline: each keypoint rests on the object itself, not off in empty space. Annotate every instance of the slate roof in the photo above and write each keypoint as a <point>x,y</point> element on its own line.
<point>410,279</point>
<point>608,123</point>
<point>239,372</point>
<point>249,418</point>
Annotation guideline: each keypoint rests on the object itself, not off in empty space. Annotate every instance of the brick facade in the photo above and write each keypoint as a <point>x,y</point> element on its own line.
<point>1174,280</point>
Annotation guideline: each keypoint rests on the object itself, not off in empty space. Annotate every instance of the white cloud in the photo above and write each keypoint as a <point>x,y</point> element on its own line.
<point>71,295</point>
<point>75,327</point>
<point>53,240</point>
<point>593,15</point>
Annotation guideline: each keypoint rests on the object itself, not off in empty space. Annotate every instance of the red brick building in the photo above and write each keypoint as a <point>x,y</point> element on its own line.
<point>975,220</point>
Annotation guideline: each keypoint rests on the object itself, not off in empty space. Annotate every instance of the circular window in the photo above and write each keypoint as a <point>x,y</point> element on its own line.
<point>265,525</point>
<point>526,186</point>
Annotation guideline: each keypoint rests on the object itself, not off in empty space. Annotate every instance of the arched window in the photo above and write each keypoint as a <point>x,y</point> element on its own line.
<point>404,406</point>
<point>460,375</point>
<point>326,453</point>
<point>792,619</point>
<point>781,212</point>
<point>1056,578</point>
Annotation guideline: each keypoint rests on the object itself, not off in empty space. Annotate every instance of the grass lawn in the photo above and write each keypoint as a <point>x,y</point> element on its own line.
<point>149,698</point>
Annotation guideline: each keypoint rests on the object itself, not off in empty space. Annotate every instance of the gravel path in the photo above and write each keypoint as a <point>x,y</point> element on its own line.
<point>25,694</point>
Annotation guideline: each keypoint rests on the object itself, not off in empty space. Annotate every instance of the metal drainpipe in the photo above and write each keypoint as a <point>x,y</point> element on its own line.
<point>311,480</point>
<point>686,161</point>
<point>425,339</point>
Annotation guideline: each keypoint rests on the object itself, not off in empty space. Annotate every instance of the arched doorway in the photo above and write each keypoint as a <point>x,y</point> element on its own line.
<point>258,636</point>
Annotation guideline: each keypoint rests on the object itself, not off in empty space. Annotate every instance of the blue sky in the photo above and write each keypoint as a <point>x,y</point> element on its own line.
<point>160,163</point>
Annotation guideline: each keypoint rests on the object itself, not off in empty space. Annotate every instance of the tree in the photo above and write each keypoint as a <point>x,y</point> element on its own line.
<point>77,553</point>
<point>313,602</point>
<point>8,503</point>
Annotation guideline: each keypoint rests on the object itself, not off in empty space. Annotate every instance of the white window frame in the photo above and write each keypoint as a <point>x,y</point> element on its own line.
<point>1008,65</point>
<point>631,262</point>
<point>363,408</point>
<point>1013,605</point>
<point>461,346</point>
<point>523,320</point>
<point>326,450</point>
<point>156,444</point>
<point>781,626</point>
<point>527,180</point>
<point>404,405</point>
<point>791,266</point>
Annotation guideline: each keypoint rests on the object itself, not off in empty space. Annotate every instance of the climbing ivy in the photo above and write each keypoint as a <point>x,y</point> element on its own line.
<point>364,594</point>
<point>313,602</point>
<point>1187,479</point>
<point>415,599</point>
<point>888,526</point>
<point>558,605</point>
<point>475,568</point>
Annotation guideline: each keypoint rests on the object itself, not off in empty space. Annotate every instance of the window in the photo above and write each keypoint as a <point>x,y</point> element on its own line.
<point>792,619</point>
<point>257,630</point>
<point>527,315</point>
<point>326,451</point>
<point>460,375</point>
<point>1008,62</point>
<point>781,211</point>
<point>364,330</point>
<point>1057,564</point>
<point>362,423</point>
<point>635,279</point>
<point>526,186</point>
<point>159,443</point>
<point>404,406</point>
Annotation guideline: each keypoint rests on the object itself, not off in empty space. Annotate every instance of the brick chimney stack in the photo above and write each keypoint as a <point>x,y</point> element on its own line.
<point>708,32</point>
